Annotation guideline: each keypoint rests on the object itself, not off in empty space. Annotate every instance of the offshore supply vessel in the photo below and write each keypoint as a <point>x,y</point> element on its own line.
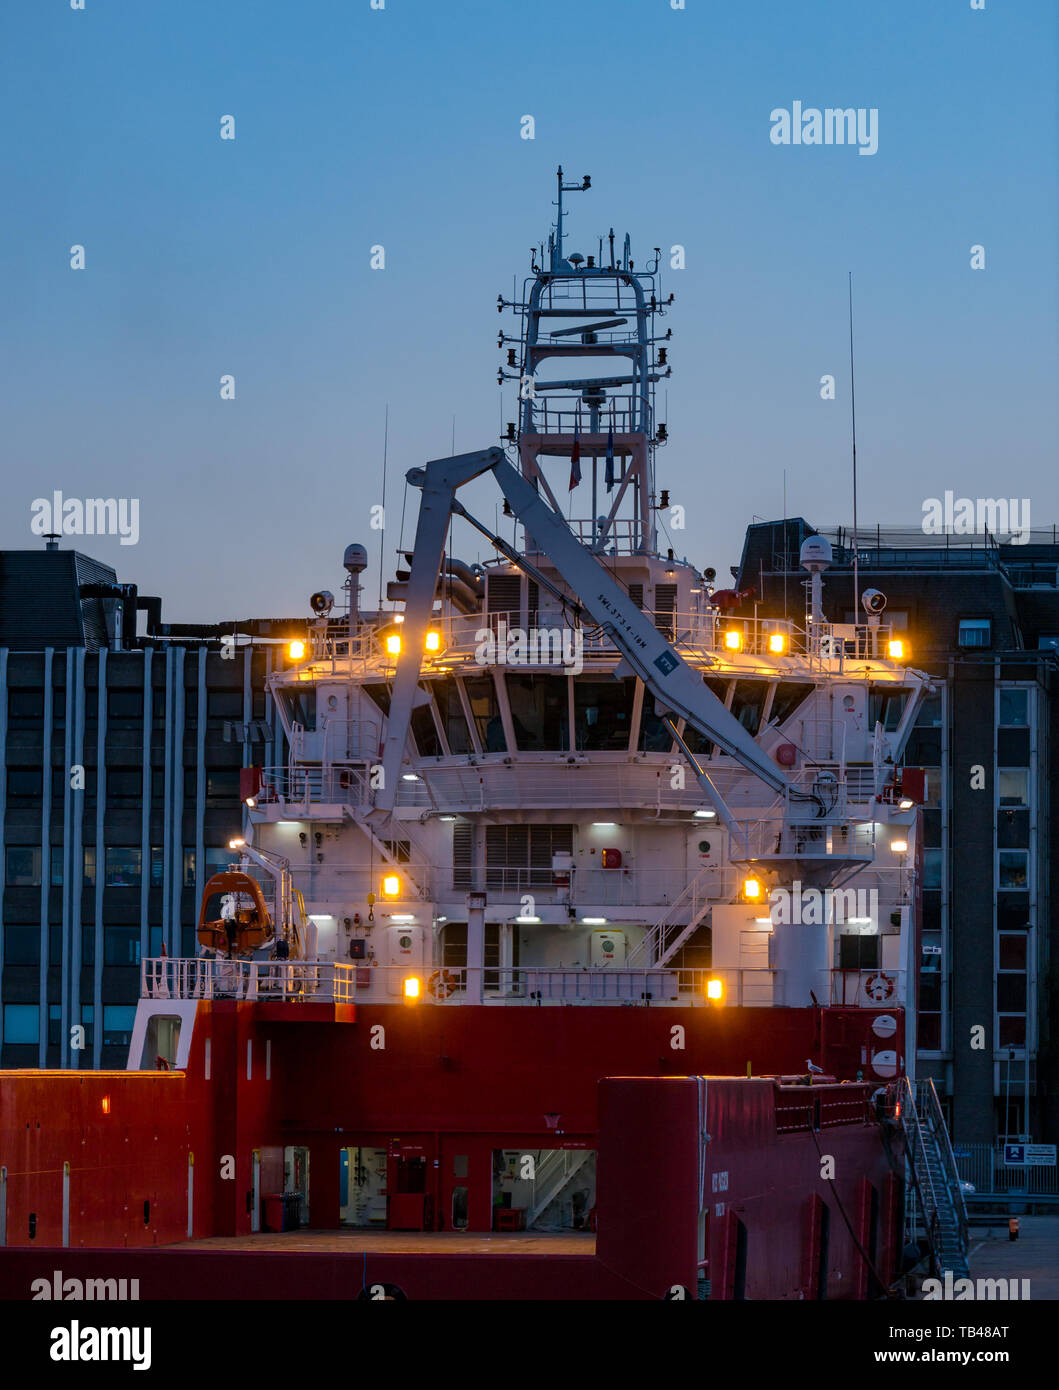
<point>540,967</point>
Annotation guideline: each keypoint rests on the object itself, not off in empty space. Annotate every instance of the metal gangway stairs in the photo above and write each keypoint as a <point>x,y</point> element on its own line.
<point>936,1199</point>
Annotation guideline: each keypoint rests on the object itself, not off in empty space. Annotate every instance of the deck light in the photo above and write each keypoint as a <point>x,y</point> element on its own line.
<point>733,640</point>
<point>411,987</point>
<point>715,989</point>
<point>752,889</point>
<point>106,1105</point>
<point>778,643</point>
<point>432,641</point>
<point>236,844</point>
<point>896,649</point>
<point>251,802</point>
<point>393,644</point>
<point>525,920</point>
<point>906,803</point>
<point>898,846</point>
<point>594,921</point>
<point>705,815</point>
<point>391,886</point>
<point>296,650</point>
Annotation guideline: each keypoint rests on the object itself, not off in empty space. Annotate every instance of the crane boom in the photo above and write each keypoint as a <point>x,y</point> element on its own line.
<point>678,689</point>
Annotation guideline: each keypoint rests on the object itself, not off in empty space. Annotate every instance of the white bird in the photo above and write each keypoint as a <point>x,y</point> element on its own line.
<point>809,1064</point>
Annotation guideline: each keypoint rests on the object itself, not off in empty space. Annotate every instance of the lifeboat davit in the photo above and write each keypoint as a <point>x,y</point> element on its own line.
<point>234,919</point>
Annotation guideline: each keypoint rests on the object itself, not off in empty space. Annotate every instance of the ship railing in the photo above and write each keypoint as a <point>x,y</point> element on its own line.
<point>592,293</point>
<point>561,984</point>
<point>588,888</point>
<point>550,412</point>
<point>541,631</point>
<point>835,839</point>
<point>302,786</point>
<point>578,778</point>
<point>213,977</point>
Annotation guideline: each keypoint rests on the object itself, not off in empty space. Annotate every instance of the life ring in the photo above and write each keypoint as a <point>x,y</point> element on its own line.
<point>878,987</point>
<point>441,984</point>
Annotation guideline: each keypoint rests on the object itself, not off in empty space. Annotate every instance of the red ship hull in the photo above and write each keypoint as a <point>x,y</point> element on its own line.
<point>120,1160</point>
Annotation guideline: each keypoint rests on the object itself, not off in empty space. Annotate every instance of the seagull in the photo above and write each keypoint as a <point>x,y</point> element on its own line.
<point>809,1064</point>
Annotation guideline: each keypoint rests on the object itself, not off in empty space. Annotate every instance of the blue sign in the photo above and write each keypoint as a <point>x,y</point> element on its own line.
<point>667,662</point>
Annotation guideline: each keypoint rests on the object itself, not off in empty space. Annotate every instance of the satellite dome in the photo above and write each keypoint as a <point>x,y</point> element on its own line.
<point>816,554</point>
<point>355,559</point>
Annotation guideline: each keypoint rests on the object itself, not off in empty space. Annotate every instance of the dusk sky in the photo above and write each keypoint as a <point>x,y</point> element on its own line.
<point>401,127</point>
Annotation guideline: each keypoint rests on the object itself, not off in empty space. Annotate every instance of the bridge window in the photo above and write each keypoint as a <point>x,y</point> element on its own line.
<point>485,709</point>
<point>380,694</point>
<point>748,702</point>
<point>886,707</point>
<point>457,734</point>
<point>789,695</point>
<point>603,713</point>
<point>539,711</point>
<point>654,736</point>
<point>425,732</point>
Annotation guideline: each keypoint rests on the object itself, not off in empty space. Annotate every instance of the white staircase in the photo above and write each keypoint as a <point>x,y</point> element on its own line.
<point>661,942</point>
<point>554,1172</point>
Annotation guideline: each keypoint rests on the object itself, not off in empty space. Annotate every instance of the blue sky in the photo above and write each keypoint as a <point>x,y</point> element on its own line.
<point>356,127</point>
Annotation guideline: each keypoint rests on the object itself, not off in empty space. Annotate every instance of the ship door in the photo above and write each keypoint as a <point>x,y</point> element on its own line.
<point>362,1187</point>
<point>296,1179</point>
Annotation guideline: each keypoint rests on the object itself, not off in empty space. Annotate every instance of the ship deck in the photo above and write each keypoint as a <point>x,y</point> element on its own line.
<point>357,1241</point>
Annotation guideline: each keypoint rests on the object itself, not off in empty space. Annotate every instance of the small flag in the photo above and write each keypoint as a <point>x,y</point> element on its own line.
<point>575,456</point>
<point>609,472</point>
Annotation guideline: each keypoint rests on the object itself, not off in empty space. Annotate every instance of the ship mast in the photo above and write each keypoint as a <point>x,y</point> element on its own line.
<point>603,423</point>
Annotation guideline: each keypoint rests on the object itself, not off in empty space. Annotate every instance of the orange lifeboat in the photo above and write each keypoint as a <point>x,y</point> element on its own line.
<point>238,926</point>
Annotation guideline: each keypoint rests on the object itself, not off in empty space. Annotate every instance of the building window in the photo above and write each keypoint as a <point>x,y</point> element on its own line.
<point>88,869</point>
<point>974,632</point>
<point>227,704</point>
<point>124,784</point>
<point>88,1018</point>
<point>1013,787</point>
<point>21,1023</point>
<point>125,704</point>
<point>26,704</point>
<point>121,945</point>
<point>932,868</point>
<point>25,782</point>
<point>1013,709</point>
<point>218,860</point>
<point>1013,868</point>
<point>123,866</point>
<point>189,868</point>
<point>222,786</point>
<point>23,866</point>
<point>55,1023</point>
<point>56,876</point>
<point>157,866</point>
<point>117,1024</point>
<point>88,944</point>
